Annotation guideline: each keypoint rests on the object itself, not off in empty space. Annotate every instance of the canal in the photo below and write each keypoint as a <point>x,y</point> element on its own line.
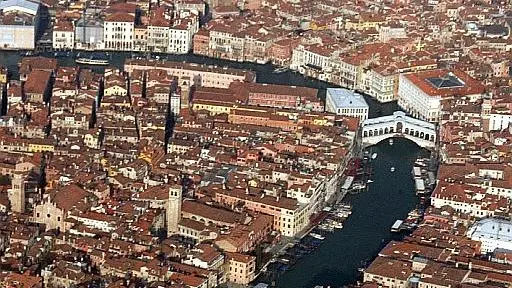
<point>390,197</point>
<point>365,232</point>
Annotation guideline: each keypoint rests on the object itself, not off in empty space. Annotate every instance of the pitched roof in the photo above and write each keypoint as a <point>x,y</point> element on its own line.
<point>68,196</point>
<point>120,17</point>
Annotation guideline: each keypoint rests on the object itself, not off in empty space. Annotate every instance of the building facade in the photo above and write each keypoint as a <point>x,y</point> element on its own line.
<point>19,22</point>
<point>421,93</point>
<point>118,32</point>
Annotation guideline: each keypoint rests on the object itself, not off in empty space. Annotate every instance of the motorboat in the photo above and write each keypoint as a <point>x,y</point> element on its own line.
<point>280,70</point>
<point>391,141</point>
<point>317,236</point>
<point>92,60</point>
<point>393,169</point>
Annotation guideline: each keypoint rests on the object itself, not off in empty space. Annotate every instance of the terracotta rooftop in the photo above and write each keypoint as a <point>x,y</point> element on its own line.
<point>439,83</point>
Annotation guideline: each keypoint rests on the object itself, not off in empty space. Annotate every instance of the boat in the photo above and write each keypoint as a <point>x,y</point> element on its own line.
<point>348,183</point>
<point>358,185</point>
<point>415,213</point>
<point>325,227</point>
<point>374,155</point>
<point>391,141</point>
<point>396,226</point>
<point>280,70</point>
<point>317,236</point>
<point>92,61</point>
<point>393,169</point>
<point>346,205</point>
<point>60,54</point>
<point>27,53</point>
<point>369,181</point>
<point>338,225</point>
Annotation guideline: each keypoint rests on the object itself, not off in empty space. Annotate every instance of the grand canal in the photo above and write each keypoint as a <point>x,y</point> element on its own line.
<point>391,196</point>
<point>367,230</point>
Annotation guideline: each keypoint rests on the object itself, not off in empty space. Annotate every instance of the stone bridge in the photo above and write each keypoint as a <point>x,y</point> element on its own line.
<point>378,129</point>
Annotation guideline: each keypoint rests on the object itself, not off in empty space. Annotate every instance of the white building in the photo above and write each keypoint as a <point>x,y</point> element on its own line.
<point>346,102</point>
<point>492,233</point>
<point>181,35</point>
<point>469,200</point>
<point>158,34</point>
<point>19,22</point>
<point>175,103</point>
<point>389,32</point>
<point>118,32</point>
<point>381,82</point>
<point>314,56</point>
<point>63,35</point>
<point>421,93</point>
<point>499,122</point>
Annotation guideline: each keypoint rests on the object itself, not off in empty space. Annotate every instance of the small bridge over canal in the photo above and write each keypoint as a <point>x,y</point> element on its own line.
<point>375,130</point>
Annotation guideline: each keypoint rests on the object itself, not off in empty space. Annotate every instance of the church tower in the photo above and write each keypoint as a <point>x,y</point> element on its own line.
<point>174,209</point>
<point>17,193</point>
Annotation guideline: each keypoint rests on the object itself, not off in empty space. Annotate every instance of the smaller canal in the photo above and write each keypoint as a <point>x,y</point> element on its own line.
<point>390,197</point>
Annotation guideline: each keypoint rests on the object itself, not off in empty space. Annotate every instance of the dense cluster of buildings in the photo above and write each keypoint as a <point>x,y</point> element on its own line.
<point>167,173</point>
<point>361,46</point>
<point>370,47</point>
<point>172,174</point>
<point>464,237</point>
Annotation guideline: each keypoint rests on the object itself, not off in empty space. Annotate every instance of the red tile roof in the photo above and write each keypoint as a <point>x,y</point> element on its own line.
<point>471,85</point>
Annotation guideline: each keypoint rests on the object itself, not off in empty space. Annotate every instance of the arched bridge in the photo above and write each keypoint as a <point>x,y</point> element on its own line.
<point>378,129</point>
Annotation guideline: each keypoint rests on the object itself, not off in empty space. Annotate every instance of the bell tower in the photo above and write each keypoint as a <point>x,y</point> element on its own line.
<point>174,209</point>
<point>17,193</point>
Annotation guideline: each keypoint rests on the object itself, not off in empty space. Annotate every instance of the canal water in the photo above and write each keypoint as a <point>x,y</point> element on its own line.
<point>390,197</point>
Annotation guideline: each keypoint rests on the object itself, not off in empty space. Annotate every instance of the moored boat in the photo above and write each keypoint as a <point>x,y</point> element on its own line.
<point>317,236</point>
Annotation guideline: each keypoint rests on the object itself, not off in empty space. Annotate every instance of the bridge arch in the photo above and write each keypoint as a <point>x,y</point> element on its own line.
<point>398,125</point>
